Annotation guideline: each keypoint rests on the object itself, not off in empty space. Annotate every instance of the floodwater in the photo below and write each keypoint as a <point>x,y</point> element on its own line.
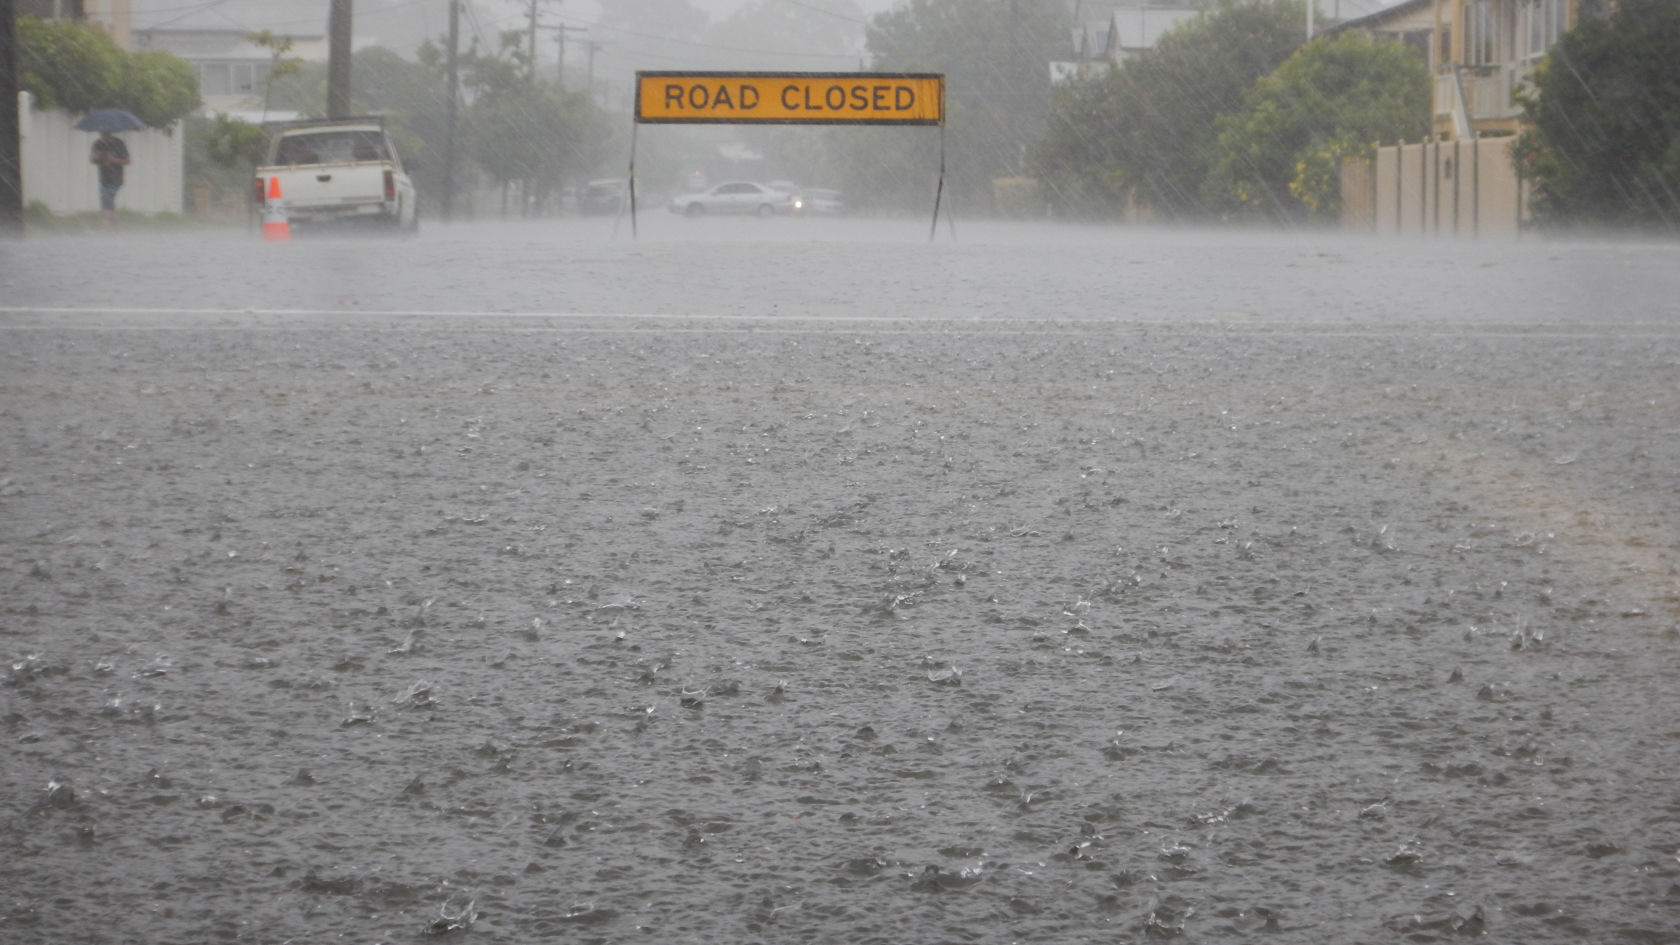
<point>799,582</point>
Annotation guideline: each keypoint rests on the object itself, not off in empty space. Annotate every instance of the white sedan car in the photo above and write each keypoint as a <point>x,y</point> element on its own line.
<point>736,196</point>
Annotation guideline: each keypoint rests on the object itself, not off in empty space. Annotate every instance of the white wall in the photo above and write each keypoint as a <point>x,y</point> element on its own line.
<point>57,172</point>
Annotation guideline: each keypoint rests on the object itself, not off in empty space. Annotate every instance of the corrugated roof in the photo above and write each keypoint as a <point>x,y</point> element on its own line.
<point>1384,13</point>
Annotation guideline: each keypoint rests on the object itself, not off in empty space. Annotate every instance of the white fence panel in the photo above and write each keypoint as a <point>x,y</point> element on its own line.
<point>1453,188</point>
<point>57,172</point>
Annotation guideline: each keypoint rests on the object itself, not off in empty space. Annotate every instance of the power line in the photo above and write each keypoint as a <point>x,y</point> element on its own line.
<point>634,57</point>
<point>720,48</point>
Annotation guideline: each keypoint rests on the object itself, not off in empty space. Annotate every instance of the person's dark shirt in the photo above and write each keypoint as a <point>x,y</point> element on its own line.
<point>110,174</point>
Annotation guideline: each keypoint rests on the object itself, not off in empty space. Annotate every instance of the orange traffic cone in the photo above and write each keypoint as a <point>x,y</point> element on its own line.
<point>275,229</point>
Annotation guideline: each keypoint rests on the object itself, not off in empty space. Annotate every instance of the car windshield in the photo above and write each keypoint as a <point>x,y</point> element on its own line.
<point>331,147</point>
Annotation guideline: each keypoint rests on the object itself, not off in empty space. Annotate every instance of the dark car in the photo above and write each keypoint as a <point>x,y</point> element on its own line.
<point>602,196</point>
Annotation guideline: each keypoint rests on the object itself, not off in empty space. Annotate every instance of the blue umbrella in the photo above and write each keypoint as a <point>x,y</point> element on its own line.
<point>109,119</point>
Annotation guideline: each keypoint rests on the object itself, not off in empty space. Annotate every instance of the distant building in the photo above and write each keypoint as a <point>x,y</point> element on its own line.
<point>1109,33</point>
<point>215,39</point>
<point>1117,34</point>
<point>1329,13</point>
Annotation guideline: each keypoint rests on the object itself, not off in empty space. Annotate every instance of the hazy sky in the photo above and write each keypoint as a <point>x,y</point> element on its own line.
<point>402,25</point>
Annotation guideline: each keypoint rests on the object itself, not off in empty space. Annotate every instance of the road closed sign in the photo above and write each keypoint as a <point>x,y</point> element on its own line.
<point>790,98</point>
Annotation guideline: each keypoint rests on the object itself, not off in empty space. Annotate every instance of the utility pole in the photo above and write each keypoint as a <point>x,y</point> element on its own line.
<point>339,20</point>
<point>454,97</point>
<point>11,156</point>
<point>531,40</point>
<point>593,48</point>
<point>560,40</point>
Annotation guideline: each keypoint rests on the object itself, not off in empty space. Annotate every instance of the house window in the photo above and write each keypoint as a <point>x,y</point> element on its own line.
<point>223,79</point>
<point>1539,24</point>
<point>249,77</point>
<point>214,78</point>
<point>1480,47</point>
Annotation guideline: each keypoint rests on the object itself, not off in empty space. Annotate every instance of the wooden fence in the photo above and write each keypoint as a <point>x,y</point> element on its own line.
<point>1453,188</point>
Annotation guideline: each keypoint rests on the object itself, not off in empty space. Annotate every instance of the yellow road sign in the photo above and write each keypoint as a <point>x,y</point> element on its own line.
<point>790,98</point>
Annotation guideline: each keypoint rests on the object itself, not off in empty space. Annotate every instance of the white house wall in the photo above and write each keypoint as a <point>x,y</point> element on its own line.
<point>57,172</point>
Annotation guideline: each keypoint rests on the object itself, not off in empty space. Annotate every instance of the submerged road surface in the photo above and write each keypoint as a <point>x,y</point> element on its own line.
<point>780,581</point>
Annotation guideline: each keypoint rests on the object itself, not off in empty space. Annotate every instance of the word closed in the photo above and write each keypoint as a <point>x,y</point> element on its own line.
<point>864,98</point>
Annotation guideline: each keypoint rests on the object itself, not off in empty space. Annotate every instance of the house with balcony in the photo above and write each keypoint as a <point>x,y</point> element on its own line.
<point>1487,48</point>
<point>1461,180</point>
<point>1480,53</point>
<point>1110,35</point>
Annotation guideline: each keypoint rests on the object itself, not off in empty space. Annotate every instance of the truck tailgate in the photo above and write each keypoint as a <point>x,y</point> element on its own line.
<point>330,185</point>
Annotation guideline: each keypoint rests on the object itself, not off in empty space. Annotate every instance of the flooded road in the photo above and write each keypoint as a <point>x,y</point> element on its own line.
<point>760,581</point>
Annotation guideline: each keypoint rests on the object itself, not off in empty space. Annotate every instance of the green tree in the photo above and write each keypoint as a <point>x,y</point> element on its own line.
<point>1150,127</point>
<point>538,136</point>
<point>414,99</point>
<point>1080,156</point>
<point>158,87</point>
<point>995,55</point>
<point>221,151</point>
<point>280,64</point>
<point>72,66</point>
<point>1280,158</point>
<point>67,65</point>
<point>1604,112</point>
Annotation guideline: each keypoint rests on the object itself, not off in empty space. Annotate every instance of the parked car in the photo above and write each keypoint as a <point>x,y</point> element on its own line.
<point>736,196</point>
<point>337,171</point>
<point>819,202</point>
<point>602,196</point>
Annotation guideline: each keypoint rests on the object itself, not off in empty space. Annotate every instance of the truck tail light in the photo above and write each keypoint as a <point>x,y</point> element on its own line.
<point>257,190</point>
<point>390,184</point>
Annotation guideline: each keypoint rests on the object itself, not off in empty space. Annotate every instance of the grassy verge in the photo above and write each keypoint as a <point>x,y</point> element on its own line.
<point>38,219</point>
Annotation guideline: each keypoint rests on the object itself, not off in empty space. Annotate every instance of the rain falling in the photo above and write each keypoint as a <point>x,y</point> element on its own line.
<point>1110,558</point>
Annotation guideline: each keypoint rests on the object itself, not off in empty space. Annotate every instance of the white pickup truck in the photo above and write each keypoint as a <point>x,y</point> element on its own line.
<point>338,171</point>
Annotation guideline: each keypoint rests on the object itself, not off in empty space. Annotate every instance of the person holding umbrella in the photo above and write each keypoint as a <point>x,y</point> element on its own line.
<point>109,154</point>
